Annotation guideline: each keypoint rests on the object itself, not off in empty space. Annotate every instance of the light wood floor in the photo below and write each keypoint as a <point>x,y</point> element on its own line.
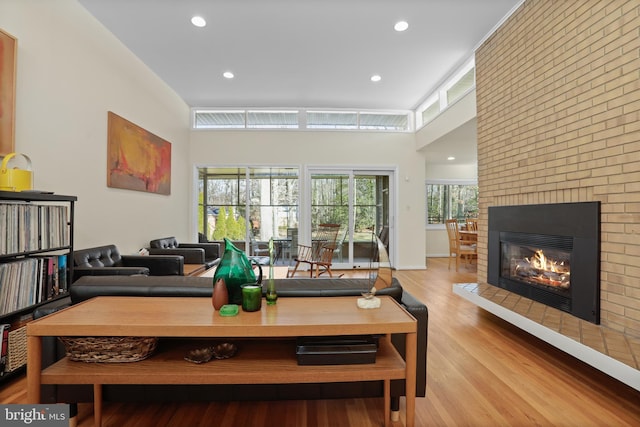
<point>481,372</point>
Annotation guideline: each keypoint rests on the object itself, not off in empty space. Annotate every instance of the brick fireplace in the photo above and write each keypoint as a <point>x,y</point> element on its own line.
<point>549,253</point>
<point>558,118</point>
<point>559,121</point>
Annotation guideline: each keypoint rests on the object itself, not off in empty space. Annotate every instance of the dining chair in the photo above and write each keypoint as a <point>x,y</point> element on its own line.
<point>339,244</point>
<point>290,247</point>
<point>458,247</point>
<point>472,224</point>
<point>259,248</point>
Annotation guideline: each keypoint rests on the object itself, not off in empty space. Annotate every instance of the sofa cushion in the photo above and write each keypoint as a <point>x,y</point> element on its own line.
<point>88,287</point>
<point>164,243</point>
<point>100,256</point>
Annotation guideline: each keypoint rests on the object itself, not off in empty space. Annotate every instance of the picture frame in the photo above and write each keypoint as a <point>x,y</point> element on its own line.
<point>8,63</point>
<point>137,159</point>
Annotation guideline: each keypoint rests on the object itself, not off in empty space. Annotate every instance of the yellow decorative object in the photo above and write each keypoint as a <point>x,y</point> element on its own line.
<point>15,179</point>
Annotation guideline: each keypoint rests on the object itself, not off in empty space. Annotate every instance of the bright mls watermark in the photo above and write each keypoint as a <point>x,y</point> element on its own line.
<point>34,415</point>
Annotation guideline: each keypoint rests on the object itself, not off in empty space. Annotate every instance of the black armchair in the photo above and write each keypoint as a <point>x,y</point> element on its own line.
<point>193,253</point>
<point>107,261</point>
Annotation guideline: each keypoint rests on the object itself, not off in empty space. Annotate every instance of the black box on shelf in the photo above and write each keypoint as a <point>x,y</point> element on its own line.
<point>337,350</point>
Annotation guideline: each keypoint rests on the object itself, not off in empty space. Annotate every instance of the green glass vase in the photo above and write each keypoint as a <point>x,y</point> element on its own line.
<point>236,270</point>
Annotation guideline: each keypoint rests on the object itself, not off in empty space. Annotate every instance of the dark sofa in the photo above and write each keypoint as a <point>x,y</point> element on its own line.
<point>193,253</point>
<point>179,286</point>
<point>107,261</point>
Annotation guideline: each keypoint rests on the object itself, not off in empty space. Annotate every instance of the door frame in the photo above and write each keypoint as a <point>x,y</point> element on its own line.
<point>352,171</point>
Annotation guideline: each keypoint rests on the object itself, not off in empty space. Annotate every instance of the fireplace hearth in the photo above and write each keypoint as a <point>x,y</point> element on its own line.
<point>549,253</point>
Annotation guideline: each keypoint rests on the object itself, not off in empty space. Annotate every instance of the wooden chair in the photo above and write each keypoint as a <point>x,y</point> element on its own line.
<point>472,224</point>
<point>320,254</point>
<point>458,247</point>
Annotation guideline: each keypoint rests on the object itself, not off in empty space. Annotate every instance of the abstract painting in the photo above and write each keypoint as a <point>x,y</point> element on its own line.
<point>8,47</point>
<point>137,159</point>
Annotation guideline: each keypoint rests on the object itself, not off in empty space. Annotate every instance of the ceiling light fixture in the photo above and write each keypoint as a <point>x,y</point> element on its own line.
<point>376,78</point>
<point>198,21</point>
<point>228,75</point>
<point>451,158</point>
<point>401,26</point>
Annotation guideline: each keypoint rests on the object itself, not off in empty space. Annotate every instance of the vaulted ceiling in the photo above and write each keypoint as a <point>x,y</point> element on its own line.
<point>301,53</point>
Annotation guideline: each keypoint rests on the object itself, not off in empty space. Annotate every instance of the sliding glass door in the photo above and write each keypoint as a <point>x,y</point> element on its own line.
<point>358,200</point>
<point>249,206</point>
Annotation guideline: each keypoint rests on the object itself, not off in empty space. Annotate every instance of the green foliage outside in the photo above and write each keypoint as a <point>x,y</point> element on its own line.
<point>220,231</point>
<point>446,201</point>
<point>235,226</point>
<point>201,212</point>
<point>227,225</point>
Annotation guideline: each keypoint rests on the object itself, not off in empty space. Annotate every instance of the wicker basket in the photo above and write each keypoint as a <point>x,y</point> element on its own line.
<point>109,349</point>
<point>17,354</point>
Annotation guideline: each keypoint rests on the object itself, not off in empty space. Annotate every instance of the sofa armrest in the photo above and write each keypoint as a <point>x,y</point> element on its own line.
<point>158,265</point>
<point>418,310</point>
<point>211,250</point>
<point>109,271</point>
<point>190,255</point>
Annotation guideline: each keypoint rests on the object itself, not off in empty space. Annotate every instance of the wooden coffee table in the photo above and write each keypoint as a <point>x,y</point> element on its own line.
<point>195,269</point>
<point>269,361</point>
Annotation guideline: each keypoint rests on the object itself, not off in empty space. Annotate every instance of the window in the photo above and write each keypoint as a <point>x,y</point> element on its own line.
<point>430,112</point>
<point>455,88</point>
<point>461,86</point>
<point>451,201</point>
<point>384,121</point>
<point>219,119</point>
<point>272,119</point>
<point>332,120</point>
<point>390,121</point>
<point>241,119</point>
<point>234,201</point>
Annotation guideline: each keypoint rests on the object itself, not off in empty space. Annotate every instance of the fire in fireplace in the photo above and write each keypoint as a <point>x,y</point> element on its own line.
<point>532,265</point>
<point>549,253</point>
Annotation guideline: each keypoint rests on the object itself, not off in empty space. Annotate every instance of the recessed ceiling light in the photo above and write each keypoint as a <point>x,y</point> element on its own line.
<point>228,75</point>
<point>451,158</point>
<point>376,78</point>
<point>401,26</point>
<point>198,21</point>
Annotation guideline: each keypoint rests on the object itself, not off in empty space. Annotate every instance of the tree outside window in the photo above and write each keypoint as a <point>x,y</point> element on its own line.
<point>260,201</point>
<point>451,201</point>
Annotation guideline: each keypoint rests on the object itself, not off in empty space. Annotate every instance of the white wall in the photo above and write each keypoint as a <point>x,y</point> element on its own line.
<point>71,71</point>
<point>454,116</point>
<point>301,149</point>
<point>435,237</point>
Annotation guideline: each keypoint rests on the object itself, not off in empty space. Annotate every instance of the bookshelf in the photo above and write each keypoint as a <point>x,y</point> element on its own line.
<point>36,265</point>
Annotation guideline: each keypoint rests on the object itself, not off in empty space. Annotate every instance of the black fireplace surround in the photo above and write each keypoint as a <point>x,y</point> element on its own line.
<point>571,232</point>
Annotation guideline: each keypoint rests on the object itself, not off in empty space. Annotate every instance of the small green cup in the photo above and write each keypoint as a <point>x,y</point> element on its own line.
<point>251,297</point>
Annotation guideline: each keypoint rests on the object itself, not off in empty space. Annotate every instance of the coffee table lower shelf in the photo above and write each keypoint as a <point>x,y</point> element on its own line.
<point>260,361</point>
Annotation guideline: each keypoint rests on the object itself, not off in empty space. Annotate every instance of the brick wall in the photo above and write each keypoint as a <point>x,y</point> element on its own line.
<point>558,103</point>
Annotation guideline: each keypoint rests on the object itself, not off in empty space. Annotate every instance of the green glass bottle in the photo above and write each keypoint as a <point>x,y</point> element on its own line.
<point>271,295</point>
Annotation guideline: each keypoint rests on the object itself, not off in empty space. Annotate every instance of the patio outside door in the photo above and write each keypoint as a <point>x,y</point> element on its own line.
<point>358,200</point>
